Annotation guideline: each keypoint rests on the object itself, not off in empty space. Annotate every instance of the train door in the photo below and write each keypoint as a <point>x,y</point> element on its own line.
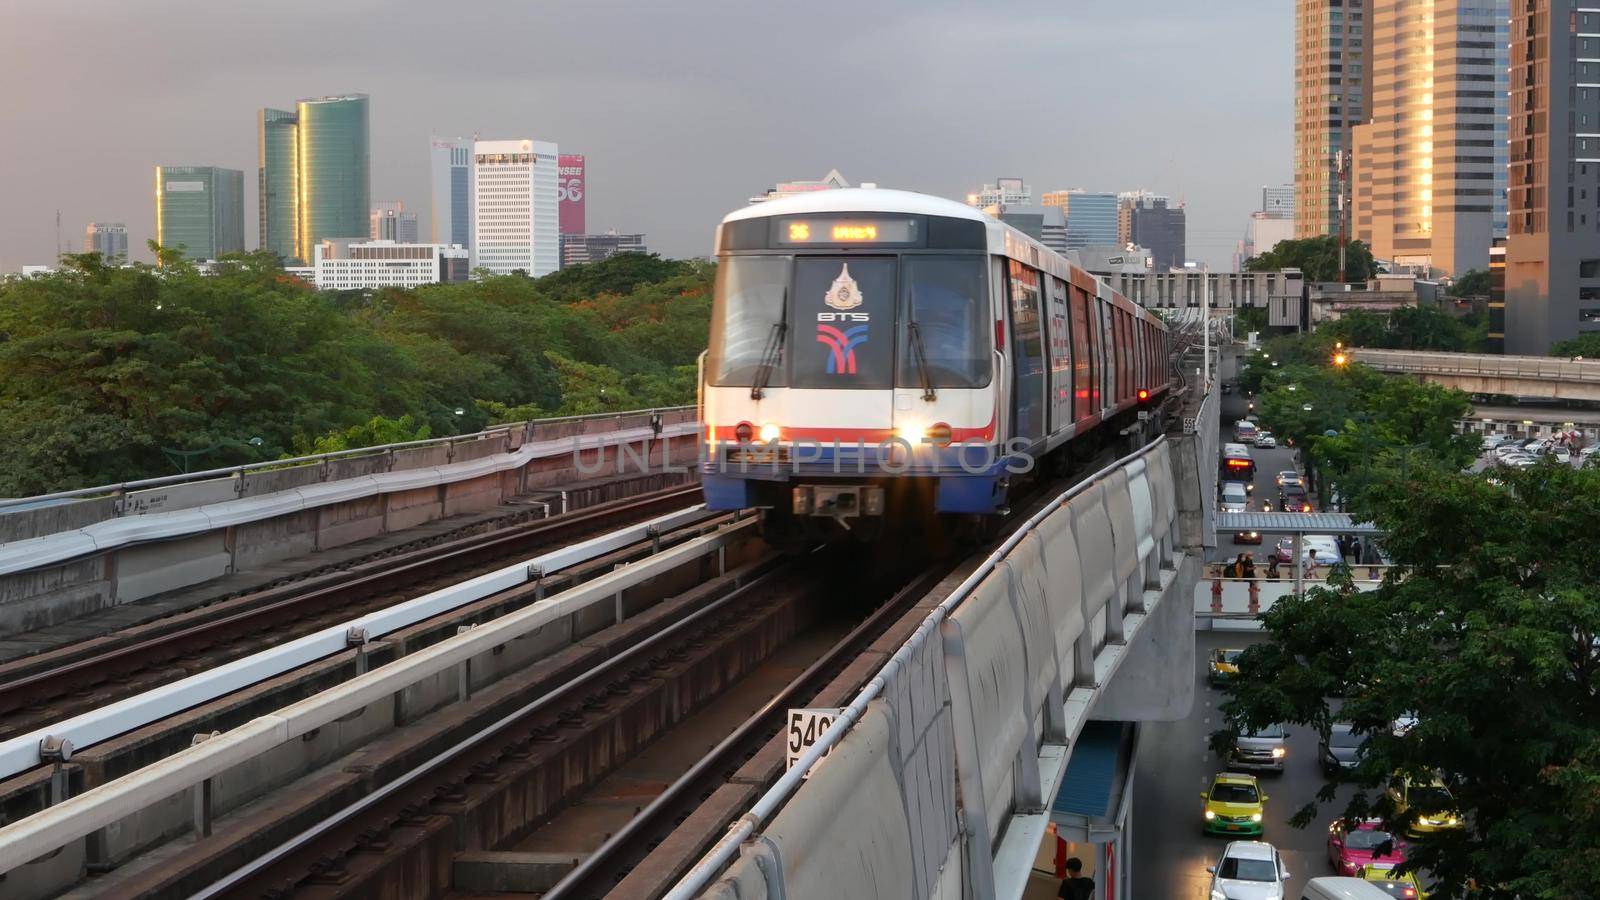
<point>1108,358</point>
<point>1083,374</point>
<point>1028,359</point>
<point>1060,358</point>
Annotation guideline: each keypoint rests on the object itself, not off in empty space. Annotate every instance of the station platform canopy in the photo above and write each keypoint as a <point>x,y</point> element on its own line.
<point>1293,523</point>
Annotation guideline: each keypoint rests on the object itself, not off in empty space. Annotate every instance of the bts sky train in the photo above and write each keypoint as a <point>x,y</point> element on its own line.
<point>876,355</point>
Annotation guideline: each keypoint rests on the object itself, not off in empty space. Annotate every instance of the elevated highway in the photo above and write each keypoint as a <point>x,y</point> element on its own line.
<point>1483,373</point>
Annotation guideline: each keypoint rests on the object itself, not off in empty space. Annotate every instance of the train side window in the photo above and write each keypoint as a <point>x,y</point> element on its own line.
<point>1028,358</point>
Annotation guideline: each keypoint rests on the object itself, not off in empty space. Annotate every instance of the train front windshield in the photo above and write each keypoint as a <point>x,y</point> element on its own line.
<point>836,321</point>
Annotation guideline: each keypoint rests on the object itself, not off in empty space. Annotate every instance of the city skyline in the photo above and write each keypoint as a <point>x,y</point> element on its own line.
<point>676,133</point>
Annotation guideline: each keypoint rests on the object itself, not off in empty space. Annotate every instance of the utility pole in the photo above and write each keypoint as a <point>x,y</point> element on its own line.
<point>58,237</point>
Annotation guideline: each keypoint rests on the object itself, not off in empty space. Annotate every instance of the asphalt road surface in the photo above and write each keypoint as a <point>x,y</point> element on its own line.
<point>1175,765</point>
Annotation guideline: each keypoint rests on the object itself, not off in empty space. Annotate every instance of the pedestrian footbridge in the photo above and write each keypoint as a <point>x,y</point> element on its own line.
<point>1484,373</point>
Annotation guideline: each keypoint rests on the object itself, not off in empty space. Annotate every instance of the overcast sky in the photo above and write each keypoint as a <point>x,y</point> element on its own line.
<point>683,108</point>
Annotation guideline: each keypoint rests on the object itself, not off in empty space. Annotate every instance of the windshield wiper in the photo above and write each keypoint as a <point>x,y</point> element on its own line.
<point>769,358</point>
<point>921,356</point>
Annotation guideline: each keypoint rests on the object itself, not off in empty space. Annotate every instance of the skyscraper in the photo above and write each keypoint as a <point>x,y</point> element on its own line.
<point>1091,217</point>
<point>109,239</point>
<point>391,222</point>
<point>200,210</point>
<point>277,146</point>
<point>1151,221</point>
<point>1332,76</point>
<point>1552,260</point>
<point>1277,202</point>
<point>515,207</point>
<point>335,181</point>
<point>315,179</point>
<point>1432,163</point>
<point>451,164</point>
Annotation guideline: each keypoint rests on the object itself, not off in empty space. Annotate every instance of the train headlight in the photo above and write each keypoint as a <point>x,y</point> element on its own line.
<point>915,433</point>
<point>937,434</point>
<point>769,433</point>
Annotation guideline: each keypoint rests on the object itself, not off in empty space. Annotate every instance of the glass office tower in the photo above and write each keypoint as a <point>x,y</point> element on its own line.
<point>335,175</point>
<point>277,141</point>
<point>200,210</point>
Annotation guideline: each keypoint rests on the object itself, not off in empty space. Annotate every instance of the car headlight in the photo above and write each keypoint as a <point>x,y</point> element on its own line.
<point>1452,821</point>
<point>1278,752</point>
<point>1210,815</point>
<point>1255,817</point>
<point>1218,894</point>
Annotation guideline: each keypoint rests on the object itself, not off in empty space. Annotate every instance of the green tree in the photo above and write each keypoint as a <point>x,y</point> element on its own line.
<point>1586,345</point>
<point>1317,258</point>
<point>1472,283</point>
<point>374,432</point>
<point>1488,633</point>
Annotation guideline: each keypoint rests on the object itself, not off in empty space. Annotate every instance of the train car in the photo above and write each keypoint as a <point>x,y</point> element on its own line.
<point>877,355</point>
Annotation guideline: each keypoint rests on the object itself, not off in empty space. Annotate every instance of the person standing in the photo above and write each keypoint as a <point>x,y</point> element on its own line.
<point>1248,565</point>
<point>1076,886</point>
<point>1272,567</point>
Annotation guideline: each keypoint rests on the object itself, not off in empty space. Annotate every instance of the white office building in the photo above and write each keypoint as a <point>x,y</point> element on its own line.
<point>351,264</point>
<point>1004,192</point>
<point>515,214</point>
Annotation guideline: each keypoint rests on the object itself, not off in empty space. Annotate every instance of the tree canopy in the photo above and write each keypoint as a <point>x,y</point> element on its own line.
<point>1586,345</point>
<point>105,372</point>
<point>1421,327</point>
<point>1472,283</point>
<point>1487,632</point>
<point>1317,258</point>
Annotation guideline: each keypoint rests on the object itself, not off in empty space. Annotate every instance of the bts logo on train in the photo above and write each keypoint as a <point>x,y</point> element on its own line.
<point>844,295</point>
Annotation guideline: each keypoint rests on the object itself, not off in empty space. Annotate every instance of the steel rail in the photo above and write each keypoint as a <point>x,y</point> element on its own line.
<point>595,867</point>
<point>555,697</point>
<point>710,865</point>
<point>25,751</point>
<point>43,832</point>
<point>67,676</point>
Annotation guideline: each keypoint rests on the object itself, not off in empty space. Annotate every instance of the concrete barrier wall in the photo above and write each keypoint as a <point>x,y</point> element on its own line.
<point>119,549</point>
<point>971,731</point>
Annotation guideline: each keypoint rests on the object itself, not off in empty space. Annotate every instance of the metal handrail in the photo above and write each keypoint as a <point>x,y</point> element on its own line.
<point>709,866</point>
<point>235,471</point>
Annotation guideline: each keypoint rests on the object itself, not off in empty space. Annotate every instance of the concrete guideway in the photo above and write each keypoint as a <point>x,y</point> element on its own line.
<point>996,682</point>
<point>1485,373</point>
<point>23,752</point>
<point>78,816</point>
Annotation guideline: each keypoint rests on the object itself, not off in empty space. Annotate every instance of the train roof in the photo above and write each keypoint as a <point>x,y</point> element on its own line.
<point>860,200</point>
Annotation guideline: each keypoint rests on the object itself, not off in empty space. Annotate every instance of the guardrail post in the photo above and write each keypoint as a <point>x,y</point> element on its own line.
<point>969,766</point>
<point>616,598</point>
<point>201,794</point>
<point>563,503</point>
<point>57,752</point>
<point>1255,598</point>
<point>1216,590</point>
<point>655,539</point>
<point>358,638</point>
<point>464,671</point>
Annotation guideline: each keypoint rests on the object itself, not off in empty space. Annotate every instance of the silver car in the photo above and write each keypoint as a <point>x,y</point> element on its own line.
<point>1249,870</point>
<point>1264,749</point>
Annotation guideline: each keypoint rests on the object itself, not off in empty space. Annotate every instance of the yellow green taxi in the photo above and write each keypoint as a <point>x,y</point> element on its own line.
<point>1434,805</point>
<point>1402,885</point>
<point>1234,805</point>
<point>1223,666</point>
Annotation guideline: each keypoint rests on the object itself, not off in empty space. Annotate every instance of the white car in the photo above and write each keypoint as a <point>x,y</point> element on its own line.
<point>1561,454</point>
<point>1266,440</point>
<point>1248,870</point>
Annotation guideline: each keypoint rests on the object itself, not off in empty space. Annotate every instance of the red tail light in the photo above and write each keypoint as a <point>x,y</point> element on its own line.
<point>999,334</point>
<point>743,432</point>
<point>1144,395</point>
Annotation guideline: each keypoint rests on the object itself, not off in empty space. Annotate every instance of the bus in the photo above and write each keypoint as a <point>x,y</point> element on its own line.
<point>1238,465</point>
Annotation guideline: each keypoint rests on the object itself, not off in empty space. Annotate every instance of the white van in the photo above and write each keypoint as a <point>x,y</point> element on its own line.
<point>1332,888</point>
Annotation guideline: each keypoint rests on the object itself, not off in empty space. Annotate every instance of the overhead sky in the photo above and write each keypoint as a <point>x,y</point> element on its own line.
<point>684,108</point>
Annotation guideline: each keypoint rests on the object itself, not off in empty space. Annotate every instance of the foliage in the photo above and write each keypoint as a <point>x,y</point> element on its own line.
<point>371,433</point>
<point>1317,258</point>
<point>1472,283</point>
<point>1486,633</point>
<point>1586,345</point>
<point>105,372</point>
